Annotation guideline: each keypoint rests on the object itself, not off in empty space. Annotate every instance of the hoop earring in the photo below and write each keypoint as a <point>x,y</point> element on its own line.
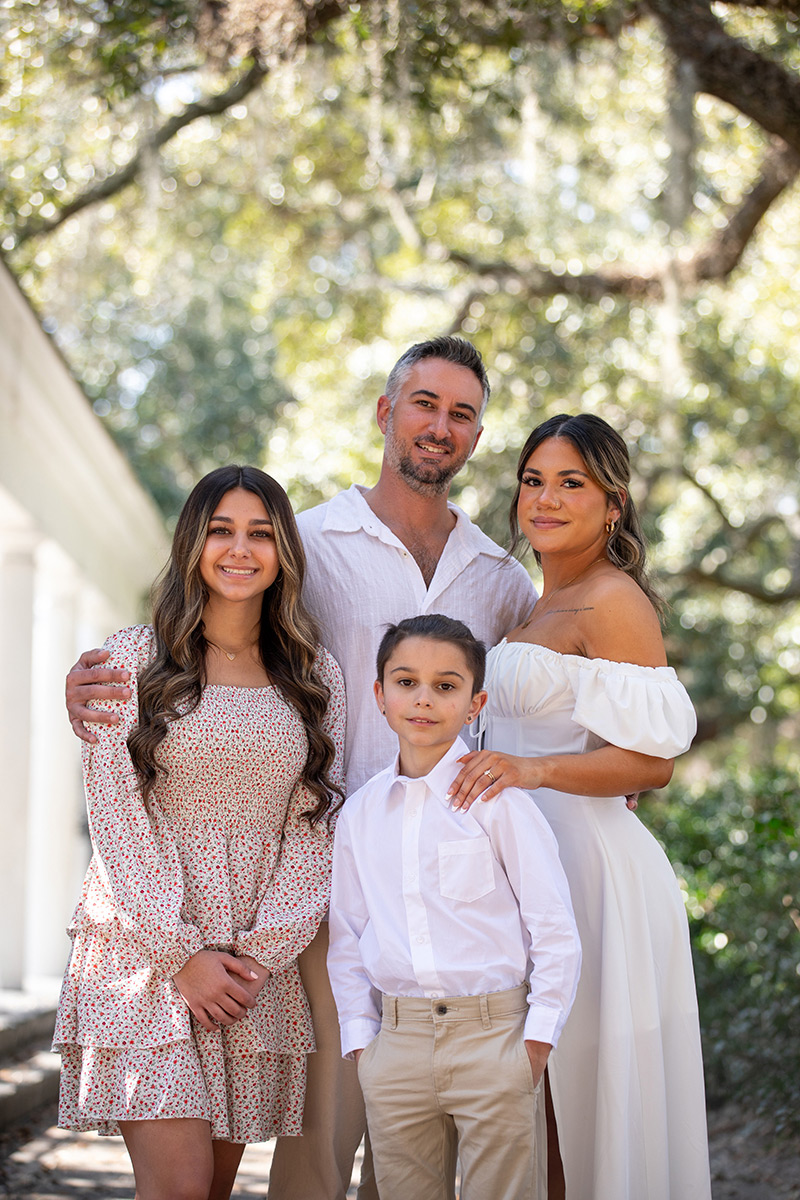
<point>611,527</point>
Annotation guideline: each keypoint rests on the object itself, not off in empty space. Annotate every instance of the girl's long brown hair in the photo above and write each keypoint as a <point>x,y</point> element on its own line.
<point>171,684</point>
<point>606,458</point>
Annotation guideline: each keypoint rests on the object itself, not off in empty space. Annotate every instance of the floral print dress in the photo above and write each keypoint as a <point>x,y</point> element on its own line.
<point>219,857</point>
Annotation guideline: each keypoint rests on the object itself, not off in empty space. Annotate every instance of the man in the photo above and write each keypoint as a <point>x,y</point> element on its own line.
<point>376,556</point>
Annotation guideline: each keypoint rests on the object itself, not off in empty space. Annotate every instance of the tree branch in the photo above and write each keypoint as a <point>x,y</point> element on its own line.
<point>719,258</point>
<point>116,180</point>
<point>462,312</point>
<point>713,261</point>
<point>748,587</point>
<point>727,68</point>
<point>291,25</point>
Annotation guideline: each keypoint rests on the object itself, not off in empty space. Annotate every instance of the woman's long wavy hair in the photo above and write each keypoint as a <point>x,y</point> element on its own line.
<point>170,686</point>
<point>607,461</point>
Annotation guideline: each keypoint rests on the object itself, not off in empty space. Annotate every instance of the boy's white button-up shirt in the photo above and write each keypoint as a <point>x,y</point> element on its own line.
<point>431,902</point>
<point>362,578</point>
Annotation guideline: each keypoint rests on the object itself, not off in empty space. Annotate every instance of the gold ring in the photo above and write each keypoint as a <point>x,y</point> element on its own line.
<point>489,773</point>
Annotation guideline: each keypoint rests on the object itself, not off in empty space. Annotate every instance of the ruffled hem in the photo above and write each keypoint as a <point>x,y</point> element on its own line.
<point>128,1006</point>
<point>245,1098</point>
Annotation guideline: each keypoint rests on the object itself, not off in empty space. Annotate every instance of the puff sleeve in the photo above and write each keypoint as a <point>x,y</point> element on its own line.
<point>646,709</point>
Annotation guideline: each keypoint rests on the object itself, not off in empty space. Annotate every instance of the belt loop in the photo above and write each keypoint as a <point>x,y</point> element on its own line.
<point>487,1024</point>
<point>390,1011</point>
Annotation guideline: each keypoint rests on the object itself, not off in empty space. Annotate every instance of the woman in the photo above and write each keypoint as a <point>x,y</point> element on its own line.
<point>583,710</point>
<point>182,1022</point>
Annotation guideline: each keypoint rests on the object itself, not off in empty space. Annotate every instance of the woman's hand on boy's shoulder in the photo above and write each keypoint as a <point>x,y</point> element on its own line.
<point>485,773</point>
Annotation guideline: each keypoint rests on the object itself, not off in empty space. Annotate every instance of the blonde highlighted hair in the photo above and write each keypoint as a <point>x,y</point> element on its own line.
<point>171,684</point>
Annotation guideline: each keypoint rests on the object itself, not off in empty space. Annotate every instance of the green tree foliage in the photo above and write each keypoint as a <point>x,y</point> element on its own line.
<point>734,841</point>
<point>509,174</point>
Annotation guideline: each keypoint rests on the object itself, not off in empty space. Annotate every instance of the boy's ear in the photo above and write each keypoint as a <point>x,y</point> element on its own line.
<point>477,703</point>
<point>377,688</point>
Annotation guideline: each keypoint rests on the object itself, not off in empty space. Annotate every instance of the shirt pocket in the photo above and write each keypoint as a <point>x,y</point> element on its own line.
<point>466,869</point>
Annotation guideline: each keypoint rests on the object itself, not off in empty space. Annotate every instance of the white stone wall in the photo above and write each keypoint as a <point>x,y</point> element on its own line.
<point>80,543</point>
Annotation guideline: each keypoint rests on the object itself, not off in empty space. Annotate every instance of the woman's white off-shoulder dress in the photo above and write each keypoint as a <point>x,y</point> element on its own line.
<point>627,1075</point>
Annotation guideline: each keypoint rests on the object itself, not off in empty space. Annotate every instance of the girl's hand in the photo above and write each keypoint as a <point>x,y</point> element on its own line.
<point>254,986</point>
<point>210,985</point>
<point>485,773</point>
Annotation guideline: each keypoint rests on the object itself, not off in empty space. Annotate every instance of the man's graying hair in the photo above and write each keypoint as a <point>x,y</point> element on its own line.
<point>450,349</point>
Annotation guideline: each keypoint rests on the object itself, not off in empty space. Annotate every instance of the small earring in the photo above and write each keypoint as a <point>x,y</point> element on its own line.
<point>611,527</point>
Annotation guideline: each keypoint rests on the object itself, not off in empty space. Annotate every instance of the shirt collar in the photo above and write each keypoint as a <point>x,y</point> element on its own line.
<point>348,512</point>
<point>440,777</point>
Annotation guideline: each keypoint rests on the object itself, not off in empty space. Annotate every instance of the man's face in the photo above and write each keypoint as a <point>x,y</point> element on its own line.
<point>433,426</point>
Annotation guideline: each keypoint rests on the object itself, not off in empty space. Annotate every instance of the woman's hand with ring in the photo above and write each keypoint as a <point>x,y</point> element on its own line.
<point>485,774</point>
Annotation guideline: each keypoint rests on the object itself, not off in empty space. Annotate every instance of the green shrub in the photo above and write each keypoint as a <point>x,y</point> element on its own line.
<point>734,841</point>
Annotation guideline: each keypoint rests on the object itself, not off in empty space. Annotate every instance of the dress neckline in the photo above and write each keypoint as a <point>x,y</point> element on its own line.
<point>241,687</point>
<point>581,659</point>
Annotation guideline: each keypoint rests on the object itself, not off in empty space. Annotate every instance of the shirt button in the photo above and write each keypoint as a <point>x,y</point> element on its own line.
<point>420,939</point>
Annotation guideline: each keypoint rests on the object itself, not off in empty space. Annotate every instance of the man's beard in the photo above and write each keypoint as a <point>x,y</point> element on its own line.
<point>427,479</point>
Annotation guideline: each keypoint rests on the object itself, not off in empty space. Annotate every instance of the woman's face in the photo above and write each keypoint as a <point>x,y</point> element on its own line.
<point>240,558</point>
<point>560,507</point>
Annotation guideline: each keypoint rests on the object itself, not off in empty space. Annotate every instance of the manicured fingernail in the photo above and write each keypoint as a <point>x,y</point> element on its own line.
<point>253,975</point>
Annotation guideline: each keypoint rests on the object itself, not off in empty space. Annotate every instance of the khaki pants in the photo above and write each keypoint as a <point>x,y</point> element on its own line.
<point>456,1065</point>
<point>318,1165</point>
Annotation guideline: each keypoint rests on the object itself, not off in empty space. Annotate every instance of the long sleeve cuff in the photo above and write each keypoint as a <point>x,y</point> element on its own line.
<point>274,952</point>
<point>358,1034</point>
<point>543,1024</point>
<point>176,955</point>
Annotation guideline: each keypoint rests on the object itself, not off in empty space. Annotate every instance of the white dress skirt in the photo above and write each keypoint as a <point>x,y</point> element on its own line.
<point>627,1075</point>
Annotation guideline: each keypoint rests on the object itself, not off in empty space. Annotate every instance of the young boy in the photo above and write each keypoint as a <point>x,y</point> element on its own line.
<point>436,917</point>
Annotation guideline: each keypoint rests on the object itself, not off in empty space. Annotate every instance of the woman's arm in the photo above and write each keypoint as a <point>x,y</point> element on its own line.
<point>607,771</point>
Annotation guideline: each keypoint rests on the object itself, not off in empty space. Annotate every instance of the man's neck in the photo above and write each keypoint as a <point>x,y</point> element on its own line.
<point>422,522</point>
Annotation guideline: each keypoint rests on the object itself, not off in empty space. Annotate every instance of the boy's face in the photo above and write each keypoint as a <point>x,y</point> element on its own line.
<point>428,694</point>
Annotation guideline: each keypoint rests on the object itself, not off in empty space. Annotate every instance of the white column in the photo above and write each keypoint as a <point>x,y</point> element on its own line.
<point>17,571</point>
<point>56,817</point>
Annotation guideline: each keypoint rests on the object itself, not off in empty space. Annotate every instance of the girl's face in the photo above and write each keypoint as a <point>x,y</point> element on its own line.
<point>240,558</point>
<point>560,507</point>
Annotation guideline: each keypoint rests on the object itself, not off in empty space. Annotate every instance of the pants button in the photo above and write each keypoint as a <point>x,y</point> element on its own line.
<point>441,1009</point>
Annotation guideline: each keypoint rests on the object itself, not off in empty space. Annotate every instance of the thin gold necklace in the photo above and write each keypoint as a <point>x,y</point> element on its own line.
<point>231,656</point>
<point>561,588</point>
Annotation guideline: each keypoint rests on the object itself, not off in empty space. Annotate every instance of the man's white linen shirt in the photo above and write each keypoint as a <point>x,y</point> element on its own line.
<point>431,902</point>
<point>362,578</point>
